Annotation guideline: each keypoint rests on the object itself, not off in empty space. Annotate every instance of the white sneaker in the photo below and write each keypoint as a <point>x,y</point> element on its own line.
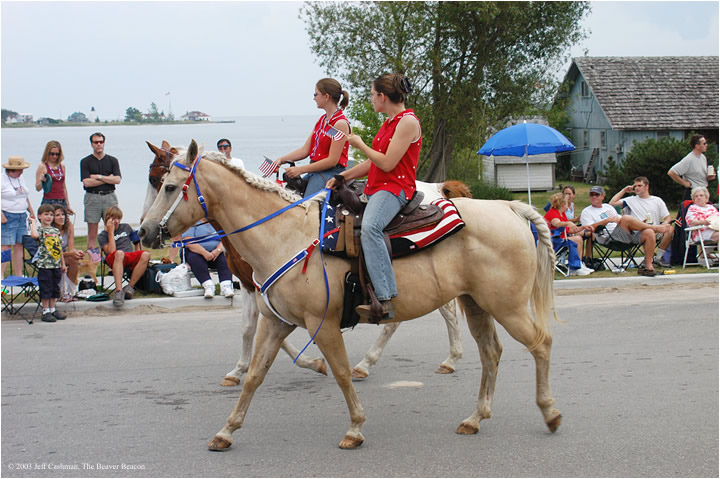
<point>209,287</point>
<point>579,272</point>
<point>226,289</point>
<point>589,270</point>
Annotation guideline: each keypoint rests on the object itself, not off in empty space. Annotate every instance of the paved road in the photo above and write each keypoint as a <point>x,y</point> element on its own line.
<point>635,373</point>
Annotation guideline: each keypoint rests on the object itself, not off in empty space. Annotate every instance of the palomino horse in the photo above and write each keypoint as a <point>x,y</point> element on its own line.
<point>494,271</point>
<point>450,189</point>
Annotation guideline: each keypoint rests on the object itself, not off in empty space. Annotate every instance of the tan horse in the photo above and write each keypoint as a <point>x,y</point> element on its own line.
<point>494,271</point>
<point>449,189</point>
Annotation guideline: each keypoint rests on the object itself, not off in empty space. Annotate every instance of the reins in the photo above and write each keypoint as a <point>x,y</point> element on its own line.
<point>294,261</point>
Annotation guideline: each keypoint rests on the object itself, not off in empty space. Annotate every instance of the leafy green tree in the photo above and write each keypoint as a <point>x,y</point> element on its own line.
<point>652,159</point>
<point>154,113</point>
<point>8,114</point>
<point>474,64</point>
<point>133,114</point>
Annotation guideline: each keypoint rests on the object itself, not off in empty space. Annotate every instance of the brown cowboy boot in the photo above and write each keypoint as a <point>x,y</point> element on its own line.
<point>365,311</point>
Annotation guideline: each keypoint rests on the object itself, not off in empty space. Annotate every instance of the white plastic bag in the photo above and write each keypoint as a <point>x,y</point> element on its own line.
<point>67,289</point>
<point>177,279</point>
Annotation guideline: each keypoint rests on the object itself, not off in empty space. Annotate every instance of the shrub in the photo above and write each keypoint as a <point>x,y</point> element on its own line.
<point>486,191</point>
<point>653,158</point>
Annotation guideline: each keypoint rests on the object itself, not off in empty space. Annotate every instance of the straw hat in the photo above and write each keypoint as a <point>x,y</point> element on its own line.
<point>16,163</point>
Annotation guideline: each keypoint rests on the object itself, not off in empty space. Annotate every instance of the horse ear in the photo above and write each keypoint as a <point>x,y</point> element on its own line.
<point>153,148</point>
<point>165,145</point>
<point>192,153</point>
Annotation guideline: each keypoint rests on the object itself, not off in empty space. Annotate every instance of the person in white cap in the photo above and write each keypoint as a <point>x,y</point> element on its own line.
<point>15,205</point>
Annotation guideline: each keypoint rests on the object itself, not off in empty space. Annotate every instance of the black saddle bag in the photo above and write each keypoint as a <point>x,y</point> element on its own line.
<point>353,297</point>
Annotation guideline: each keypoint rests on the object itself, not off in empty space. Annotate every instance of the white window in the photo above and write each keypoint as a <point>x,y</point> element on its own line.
<point>603,141</point>
<point>585,138</point>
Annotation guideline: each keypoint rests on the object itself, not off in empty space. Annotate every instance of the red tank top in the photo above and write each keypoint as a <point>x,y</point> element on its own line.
<point>402,177</point>
<point>57,190</point>
<point>320,143</point>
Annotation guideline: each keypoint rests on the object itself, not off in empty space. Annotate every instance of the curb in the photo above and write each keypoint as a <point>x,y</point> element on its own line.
<point>171,304</point>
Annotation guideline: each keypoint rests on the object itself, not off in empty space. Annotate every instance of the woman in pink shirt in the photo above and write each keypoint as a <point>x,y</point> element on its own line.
<point>51,168</point>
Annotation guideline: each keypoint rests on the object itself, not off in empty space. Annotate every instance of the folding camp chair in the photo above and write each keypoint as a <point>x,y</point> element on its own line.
<point>680,251</point>
<point>627,251</point>
<point>562,253</point>
<point>705,246</point>
<point>15,288</point>
<point>30,246</point>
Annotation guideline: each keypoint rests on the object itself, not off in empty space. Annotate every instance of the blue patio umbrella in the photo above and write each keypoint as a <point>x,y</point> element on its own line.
<point>526,139</point>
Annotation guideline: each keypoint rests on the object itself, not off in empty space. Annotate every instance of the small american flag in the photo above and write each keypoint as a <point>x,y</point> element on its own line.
<point>334,133</point>
<point>267,167</point>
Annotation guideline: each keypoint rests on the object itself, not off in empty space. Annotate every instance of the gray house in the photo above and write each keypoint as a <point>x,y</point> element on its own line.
<point>618,101</point>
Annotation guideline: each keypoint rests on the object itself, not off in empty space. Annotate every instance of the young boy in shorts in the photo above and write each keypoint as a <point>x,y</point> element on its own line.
<point>119,254</point>
<point>50,261</point>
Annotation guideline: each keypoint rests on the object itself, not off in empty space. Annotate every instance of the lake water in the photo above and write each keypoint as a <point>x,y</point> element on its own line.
<point>251,137</point>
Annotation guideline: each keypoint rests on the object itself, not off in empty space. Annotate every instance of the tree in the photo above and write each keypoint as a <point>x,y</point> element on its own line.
<point>154,113</point>
<point>133,114</point>
<point>474,64</point>
<point>7,114</point>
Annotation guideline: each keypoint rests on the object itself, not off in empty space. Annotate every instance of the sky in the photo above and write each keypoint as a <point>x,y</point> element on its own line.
<point>241,58</point>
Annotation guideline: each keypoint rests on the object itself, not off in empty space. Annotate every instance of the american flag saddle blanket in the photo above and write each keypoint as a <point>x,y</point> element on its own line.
<point>407,234</point>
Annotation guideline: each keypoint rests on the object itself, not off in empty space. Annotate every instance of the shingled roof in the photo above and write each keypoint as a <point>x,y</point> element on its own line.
<point>653,93</point>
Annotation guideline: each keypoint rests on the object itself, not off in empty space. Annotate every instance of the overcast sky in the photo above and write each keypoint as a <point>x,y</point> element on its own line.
<point>240,58</point>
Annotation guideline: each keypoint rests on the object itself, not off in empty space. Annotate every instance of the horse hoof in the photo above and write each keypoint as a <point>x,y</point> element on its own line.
<point>350,442</point>
<point>466,429</point>
<point>555,422</point>
<point>443,369</point>
<point>321,368</point>
<point>359,373</point>
<point>230,381</point>
<point>219,444</point>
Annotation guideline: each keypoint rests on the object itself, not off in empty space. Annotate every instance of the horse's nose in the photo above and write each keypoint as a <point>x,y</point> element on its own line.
<point>142,232</point>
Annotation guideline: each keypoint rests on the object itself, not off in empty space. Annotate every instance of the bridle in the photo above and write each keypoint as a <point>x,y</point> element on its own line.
<point>164,167</point>
<point>164,231</point>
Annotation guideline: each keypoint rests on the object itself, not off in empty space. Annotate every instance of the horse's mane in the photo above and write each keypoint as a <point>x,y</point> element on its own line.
<point>256,180</point>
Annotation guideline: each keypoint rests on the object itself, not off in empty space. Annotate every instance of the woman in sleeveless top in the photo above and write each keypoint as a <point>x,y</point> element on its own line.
<point>51,168</point>
<point>328,156</point>
<point>391,170</point>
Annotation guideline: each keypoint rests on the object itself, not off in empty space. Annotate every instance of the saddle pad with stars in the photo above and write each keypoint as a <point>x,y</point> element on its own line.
<point>404,243</point>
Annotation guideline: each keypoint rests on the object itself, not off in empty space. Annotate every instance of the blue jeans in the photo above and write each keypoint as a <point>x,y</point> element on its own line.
<point>318,179</point>
<point>14,229</point>
<point>200,266</point>
<point>381,209</point>
<point>574,261</point>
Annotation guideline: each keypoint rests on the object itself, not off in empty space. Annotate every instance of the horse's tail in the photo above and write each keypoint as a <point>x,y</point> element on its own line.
<point>455,189</point>
<point>542,298</point>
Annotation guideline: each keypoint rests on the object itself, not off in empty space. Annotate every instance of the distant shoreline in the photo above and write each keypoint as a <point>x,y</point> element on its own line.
<point>110,123</point>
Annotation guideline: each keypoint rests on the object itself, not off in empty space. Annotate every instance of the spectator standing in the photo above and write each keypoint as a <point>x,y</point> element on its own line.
<point>50,177</point>
<point>120,254</point>
<point>50,262</point>
<point>225,147</point>
<point>648,209</point>
<point>15,205</point>
<point>208,254</point>
<point>99,174</point>
<point>328,156</point>
<point>692,171</point>
<point>67,239</point>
